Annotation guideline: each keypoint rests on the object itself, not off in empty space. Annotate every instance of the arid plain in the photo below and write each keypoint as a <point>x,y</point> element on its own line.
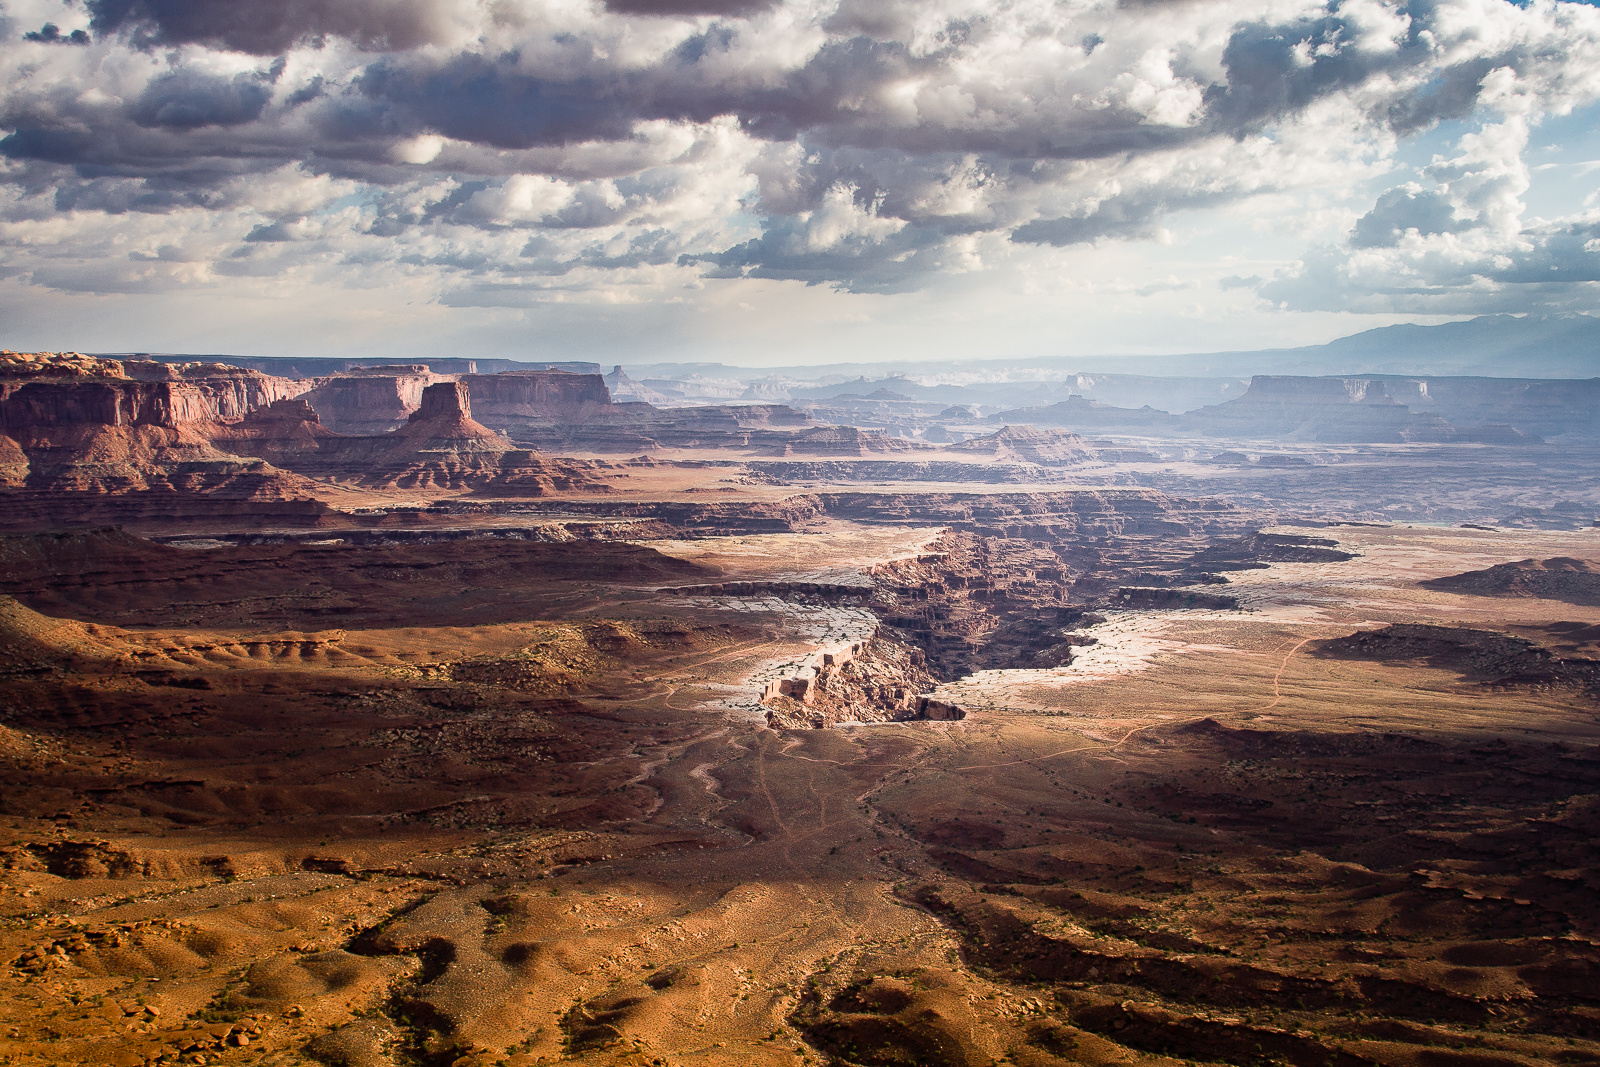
<point>518,755</point>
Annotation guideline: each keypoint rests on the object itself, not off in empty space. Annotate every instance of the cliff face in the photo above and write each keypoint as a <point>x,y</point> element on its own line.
<point>440,446</point>
<point>1395,409</point>
<point>41,393</point>
<point>1024,444</point>
<point>503,400</point>
<point>1320,409</point>
<point>1546,407</point>
<point>81,425</point>
<point>371,400</point>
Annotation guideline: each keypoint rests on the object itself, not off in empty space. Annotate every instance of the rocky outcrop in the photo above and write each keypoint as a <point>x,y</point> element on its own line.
<point>134,434</point>
<point>1571,581</point>
<point>1024,444</point>
<point>880,679</point>
<point>1079,413</point>
<point>440,446</point>
<point>46,391</point>
<point>624,389</point>
<point>443,421</point>
<point>842,441</point>
<point>371,400</point>
<point>13,464</point>
<point>505,401</point>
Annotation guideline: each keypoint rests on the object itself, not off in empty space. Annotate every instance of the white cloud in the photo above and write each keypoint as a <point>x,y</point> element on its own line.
<point>576,150</point>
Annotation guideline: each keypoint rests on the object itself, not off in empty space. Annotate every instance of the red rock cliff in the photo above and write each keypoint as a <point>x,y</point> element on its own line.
<point>45,390</point>
<point>373,400</point>
<point>549,396</point>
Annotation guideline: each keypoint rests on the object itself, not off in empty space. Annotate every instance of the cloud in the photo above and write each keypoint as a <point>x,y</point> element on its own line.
<point>1462,246</point>
<point>869,146</point>
<point>1407,209</point>
<point>688,7</point>
<point>268,27</point>
<point>188,99</point>
<point>50,33</point>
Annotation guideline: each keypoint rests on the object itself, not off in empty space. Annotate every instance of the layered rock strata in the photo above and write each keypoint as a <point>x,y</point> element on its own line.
<point>880,679</point>
<point>108,440</point>
<point>1024,444</point>
<point>440,446</point>
<point>371,400</point>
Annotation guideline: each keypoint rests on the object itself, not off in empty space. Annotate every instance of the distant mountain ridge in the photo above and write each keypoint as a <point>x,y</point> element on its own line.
<point>1500,346</point>
<point>1496,346</point>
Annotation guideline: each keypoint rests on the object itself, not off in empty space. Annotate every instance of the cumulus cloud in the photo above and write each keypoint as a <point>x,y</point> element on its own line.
<point>1461,245</point>
<point>267,27</point>
<point>870,146</point>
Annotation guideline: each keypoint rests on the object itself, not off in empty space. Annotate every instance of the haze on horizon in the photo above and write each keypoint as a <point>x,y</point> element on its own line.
<point>788,181</point>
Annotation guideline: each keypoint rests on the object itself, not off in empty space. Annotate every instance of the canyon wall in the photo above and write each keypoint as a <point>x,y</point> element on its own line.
<point>1381,408</point>
<point>503,400</point>
<point>371,400</point>
<point>38,392</point>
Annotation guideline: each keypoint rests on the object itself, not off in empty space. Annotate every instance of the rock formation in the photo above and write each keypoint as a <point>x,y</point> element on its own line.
<point>1481,655</point>
<point>1320,409</point>
<point>1389,409</point>
<point>1572,581</point>
<point>371,400</point>
<point>880,679</point>
<point>842,441</point>
<point>507,401</point>
<point>624,389</point>
<point>1079,413</point>
<point>440,446</point>
<point>1024,444</point>
<point>48,390</point>
<point>130,435</point>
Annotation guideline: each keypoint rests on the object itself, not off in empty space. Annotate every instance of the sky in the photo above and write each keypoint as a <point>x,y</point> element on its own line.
<point>787,181</point>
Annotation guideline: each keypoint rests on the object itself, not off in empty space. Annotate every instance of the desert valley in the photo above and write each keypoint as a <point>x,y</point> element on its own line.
<point>382,715</point>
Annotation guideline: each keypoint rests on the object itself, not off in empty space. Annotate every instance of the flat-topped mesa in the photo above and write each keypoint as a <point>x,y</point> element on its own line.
<point>444,421</point>
<point>371,400</point>
<point>1295,389</point>
<point>1387,408</point>
<point>389,370</point>
<point>1321,409</point>
<point>48,389</point>
<point>513,398</point>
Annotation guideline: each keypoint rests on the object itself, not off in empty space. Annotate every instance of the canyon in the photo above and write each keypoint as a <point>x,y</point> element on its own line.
<point>410,715</point>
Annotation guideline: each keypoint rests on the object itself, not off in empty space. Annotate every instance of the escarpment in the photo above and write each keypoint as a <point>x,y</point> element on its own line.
<point>440,446</point>
<point>371,400</point>
<point>1024,444</point>
<point>49,390</point>
<point>110,440</point>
